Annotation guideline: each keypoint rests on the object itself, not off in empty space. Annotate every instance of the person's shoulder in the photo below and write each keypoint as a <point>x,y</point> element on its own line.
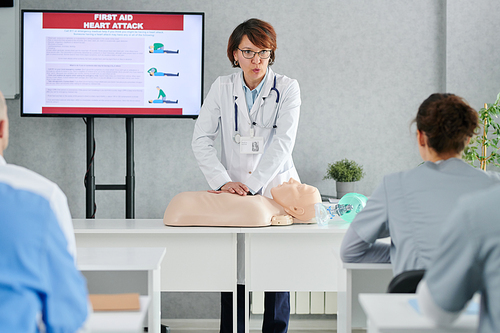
<point>477,213</point>
<point>483,201</point>
<point>451,166</point>
<point>15,173</point>
<point>457,165</point>
<point>23,178</point>
<point>398,178</point>
<point>25,208</point>
<point>225,82</point>
<point>284,80</point>
<point>230,78</point>
<point>427,167</point>
<point>495,176</point>
<point>460,166</point>
<point>395,175</point>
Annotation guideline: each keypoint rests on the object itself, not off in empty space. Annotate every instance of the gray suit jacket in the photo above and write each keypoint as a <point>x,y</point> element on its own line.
<point>410,207</point>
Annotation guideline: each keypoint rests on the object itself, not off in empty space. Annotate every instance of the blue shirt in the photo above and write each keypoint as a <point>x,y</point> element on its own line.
<point>38,276</point>
<point>24,179</point>
<point>251,95</point>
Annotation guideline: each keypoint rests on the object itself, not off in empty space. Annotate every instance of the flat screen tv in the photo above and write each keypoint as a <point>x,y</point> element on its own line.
<point>111,64</point>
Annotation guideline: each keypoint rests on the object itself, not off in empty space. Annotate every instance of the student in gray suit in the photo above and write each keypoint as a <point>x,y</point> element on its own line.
<point>468,261</point>
<point>411,206</point>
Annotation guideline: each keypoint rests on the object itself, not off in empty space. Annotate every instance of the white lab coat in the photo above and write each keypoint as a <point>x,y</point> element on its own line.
<point>217,116</point>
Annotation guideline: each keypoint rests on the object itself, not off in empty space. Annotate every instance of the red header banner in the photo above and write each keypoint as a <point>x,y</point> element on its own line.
<point>113,21</point>
<point>113,111</point>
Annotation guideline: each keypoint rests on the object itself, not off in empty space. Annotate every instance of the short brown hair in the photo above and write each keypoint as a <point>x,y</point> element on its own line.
<point>448,121</point>
<point>260,33</point>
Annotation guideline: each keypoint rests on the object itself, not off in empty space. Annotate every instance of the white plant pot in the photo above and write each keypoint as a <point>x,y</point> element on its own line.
<point>345,187</point>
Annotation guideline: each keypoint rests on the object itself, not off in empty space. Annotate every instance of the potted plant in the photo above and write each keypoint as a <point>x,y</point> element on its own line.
<point>345,173</point>
<point>484,147</point>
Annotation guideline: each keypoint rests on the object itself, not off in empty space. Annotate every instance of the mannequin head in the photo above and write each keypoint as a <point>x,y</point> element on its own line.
<point>297,199</point>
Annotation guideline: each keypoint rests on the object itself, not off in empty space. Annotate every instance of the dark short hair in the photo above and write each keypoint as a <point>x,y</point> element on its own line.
<point>448,121</point>
<point>260,33</point>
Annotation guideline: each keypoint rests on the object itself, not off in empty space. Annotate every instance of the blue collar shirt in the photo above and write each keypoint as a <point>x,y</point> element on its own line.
<point>251,95</point>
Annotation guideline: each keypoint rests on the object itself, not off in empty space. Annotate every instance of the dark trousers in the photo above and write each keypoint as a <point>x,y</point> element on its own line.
<point>276,311</point>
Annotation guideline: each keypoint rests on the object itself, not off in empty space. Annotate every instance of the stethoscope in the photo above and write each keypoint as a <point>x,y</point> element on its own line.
<point>237,135</point>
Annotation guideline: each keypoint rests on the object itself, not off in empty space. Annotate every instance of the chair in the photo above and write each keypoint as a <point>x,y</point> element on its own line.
<point>406,282</point>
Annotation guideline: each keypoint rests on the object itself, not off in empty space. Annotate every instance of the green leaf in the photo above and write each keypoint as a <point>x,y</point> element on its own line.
<point>489,117</point>
<point>344,171</point>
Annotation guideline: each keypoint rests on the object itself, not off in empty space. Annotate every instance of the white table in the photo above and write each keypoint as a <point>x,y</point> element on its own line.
<point>309,257</point>
<point>128,259</point>
<point>306,257</point>
<point>300,257</point>
<point>361,278</point>
<point>119,321</point>
<point>391,313</point>
<point>197,259</point>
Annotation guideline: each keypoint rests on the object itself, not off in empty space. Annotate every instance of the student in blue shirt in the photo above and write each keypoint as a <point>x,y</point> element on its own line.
<point>39,283</point>
<point>41,290</point>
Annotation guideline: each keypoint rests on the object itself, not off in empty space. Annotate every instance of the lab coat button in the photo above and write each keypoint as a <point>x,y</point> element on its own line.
<point>250,172</point>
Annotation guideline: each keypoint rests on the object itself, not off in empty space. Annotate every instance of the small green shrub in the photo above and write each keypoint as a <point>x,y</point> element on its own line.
<point>344,171</point>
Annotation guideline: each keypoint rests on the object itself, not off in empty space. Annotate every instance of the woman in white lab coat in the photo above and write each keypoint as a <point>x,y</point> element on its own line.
<point>256,113</point>
<point>254,108</point>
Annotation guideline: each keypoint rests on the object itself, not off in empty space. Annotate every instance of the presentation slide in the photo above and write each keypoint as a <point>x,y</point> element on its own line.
<point>130,64</point>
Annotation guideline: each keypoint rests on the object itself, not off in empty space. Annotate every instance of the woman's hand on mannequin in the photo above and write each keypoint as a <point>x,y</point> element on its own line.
<point>233,188</point>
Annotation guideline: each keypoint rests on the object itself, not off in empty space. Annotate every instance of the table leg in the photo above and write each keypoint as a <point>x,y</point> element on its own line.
<point>247,282</point>
<point>344,303</point>
<point>154,313</point>
<point>247,309</point>
<point>370,328</point>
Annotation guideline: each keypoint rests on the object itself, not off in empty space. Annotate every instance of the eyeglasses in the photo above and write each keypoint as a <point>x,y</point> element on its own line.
<point>247,54</point>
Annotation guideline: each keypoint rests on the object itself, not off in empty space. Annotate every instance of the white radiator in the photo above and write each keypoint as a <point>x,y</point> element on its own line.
<point>301,302</point>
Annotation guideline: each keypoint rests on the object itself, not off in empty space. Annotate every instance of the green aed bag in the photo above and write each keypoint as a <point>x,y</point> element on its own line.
<point>347,208</point>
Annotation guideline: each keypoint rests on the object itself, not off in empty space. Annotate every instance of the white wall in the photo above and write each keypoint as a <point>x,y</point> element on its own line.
<point>472,57</point>
<point>363,68</point>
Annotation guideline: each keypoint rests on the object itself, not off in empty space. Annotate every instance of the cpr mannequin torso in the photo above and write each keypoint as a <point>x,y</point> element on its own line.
<point>205,209</point>
<point>224,209</point>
